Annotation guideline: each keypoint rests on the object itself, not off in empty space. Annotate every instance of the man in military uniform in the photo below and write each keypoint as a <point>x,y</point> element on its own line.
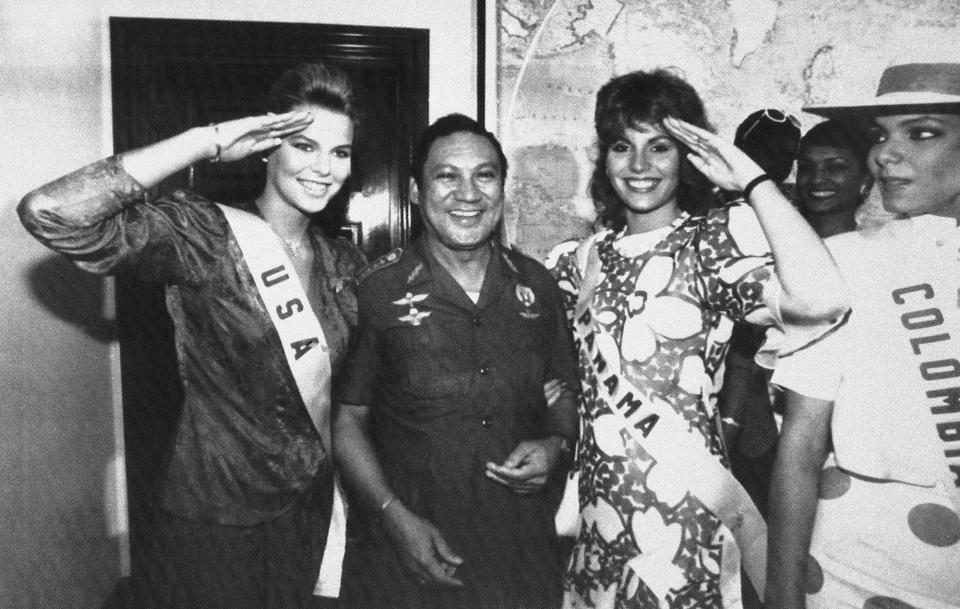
<point>442,430</point>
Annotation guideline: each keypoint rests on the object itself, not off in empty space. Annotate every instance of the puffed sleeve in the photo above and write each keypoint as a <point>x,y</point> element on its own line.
<point>735,267</point>
<point>98,218</point>
<point>737,277</point>
<point>75,214</point>
<point>814,371</point>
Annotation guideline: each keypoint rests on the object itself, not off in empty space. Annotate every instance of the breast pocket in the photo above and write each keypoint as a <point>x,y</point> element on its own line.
<point>428,363</point>
<point>522,347</point>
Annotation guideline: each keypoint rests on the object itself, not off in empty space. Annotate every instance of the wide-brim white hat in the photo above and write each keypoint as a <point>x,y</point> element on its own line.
<point>905,88</point>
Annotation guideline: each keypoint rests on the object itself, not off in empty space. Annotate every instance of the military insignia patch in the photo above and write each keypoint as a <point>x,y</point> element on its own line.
<point>388,259</point>
<point>527,299</point>
<point>414,315</point>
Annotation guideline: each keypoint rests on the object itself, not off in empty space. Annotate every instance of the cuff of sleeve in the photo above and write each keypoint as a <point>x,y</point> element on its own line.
<point>569,437</point>
<point>561,424</point>
<point>562,418</point>
<point>810,378</point>
<point>791,338</point>
<point>124,186</point>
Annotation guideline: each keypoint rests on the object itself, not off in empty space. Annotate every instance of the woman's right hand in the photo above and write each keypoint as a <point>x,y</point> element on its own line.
<point>718,159</point>
<point>226,141</point>
<point>236,139</point>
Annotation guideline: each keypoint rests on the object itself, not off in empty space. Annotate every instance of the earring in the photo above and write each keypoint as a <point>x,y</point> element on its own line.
<point>264,159</point>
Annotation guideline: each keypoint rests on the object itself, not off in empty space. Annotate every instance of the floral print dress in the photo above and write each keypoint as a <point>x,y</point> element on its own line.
<point>659,319</point>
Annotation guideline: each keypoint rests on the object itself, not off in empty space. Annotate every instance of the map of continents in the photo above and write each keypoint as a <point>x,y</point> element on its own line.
<point>741,55</point>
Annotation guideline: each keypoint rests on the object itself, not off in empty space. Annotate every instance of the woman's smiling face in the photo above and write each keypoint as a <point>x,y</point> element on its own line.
<point>915,159</point>
<point>644,169</point>
<point>310,166</point>
<point>830,179</point>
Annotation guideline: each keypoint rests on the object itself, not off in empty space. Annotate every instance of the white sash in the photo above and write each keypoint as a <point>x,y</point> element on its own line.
<point>668,439</point>
<point>923,321</point>
<point>671,441</point>
<point>305,349</point>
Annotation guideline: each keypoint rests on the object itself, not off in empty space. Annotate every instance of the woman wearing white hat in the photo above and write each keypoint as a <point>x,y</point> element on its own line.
<point>878,524</point>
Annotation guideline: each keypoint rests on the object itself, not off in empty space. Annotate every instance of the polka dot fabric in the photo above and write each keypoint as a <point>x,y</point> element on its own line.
<point>859,521</point>
<point>660,320</point>
<point>933,524</point>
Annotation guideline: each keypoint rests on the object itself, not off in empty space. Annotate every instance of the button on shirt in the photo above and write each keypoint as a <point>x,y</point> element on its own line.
<point>436,367</point>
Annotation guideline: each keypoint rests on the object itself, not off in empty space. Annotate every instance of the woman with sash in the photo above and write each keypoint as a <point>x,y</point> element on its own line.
<point>651,301</point>
<point>262,307</point>
<point>877,522</point>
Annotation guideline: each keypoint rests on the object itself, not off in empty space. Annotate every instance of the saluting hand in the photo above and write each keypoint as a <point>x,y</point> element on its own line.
<point>239,138</point>
<point>718,159</point>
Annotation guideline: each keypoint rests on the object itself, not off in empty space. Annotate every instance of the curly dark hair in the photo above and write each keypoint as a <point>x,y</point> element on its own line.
<point>633,98</point>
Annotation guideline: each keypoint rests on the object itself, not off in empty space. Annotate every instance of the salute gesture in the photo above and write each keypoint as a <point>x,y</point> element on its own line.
<point>718,159</point>
<point>239,138</point>
<point>227,141</point>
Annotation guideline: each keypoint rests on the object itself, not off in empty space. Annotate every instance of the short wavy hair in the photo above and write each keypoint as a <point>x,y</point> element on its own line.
<point>638,97</point>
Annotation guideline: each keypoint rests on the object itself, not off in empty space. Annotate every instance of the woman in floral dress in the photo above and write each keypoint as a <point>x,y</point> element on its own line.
<point>651,301</point>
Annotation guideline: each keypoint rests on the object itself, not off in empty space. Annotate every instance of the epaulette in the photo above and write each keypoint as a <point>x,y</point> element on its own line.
<point>388,259</point>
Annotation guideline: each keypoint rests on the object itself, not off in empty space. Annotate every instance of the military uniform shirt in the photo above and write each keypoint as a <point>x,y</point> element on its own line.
<point>452,385</point>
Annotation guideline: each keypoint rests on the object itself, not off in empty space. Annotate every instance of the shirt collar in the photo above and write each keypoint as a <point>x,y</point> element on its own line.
<point>925,227</point>
<point>501,270</point>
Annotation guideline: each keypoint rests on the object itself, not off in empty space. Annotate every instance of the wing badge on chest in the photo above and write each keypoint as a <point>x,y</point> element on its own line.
<point>414,315</point>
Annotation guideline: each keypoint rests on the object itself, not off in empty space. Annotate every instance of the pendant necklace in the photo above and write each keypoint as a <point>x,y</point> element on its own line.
<point>293,246</point>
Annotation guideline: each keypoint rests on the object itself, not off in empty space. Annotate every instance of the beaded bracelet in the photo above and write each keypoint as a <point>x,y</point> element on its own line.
<point>216,135</point>
<point>753,184</point>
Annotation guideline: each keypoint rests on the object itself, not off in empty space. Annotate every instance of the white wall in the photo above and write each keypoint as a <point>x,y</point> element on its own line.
<point>59,431</point>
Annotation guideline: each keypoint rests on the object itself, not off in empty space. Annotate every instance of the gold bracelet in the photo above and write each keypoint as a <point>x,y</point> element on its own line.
<point>216,136</point>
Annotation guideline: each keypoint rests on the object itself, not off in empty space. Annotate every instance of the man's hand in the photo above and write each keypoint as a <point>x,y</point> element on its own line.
<point>423,552</point>
<point>528,467</point>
